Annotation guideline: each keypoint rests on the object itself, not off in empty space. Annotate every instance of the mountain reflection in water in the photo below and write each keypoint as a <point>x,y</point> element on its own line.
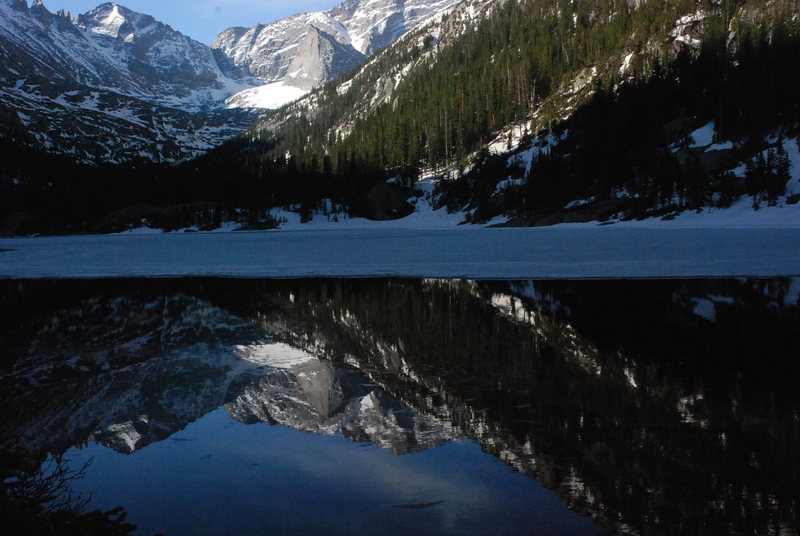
<point>654,407</point>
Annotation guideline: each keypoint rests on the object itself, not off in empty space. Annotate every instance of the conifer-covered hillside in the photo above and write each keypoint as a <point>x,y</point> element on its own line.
<point>534,110</point>
<point>596,100</point>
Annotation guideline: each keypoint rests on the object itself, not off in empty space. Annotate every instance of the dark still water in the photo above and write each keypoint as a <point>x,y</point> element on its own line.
<point>393,406</point>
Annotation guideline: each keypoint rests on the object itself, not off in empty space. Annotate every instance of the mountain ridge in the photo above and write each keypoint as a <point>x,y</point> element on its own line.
<point>480,120</point>
<point>111,85</point>
<point>504,111</point>
<point>155,94</point>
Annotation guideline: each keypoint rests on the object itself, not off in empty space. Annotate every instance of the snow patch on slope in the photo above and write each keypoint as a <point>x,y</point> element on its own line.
<point>740,215</point>
<point>268,96</point>
<point>111,23</point>
<point>423,217</point>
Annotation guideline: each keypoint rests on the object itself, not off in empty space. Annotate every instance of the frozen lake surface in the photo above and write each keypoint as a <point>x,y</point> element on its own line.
<point>505,253</point>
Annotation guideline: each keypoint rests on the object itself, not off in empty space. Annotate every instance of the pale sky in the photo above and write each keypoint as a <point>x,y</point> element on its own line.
<point>204,19</point>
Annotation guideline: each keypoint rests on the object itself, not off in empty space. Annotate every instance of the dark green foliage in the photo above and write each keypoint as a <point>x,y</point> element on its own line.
<point>519,62</point>
<point>767,175</point>
<point>40,502</point>
<point>51,193</point>
<point>452,103</point>
<point>618,140</point>
<point>518,65</point>
<point>23,519</point>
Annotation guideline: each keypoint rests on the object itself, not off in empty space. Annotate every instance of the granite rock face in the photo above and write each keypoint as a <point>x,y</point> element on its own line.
<point>305,50</point>
<point>116,86</point>
<point>111,86</point>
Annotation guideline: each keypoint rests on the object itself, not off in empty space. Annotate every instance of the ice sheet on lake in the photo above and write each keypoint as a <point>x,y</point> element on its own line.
<point>505,253</point>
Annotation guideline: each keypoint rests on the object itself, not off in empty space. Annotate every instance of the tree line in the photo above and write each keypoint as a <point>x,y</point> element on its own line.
<point>514,66</point>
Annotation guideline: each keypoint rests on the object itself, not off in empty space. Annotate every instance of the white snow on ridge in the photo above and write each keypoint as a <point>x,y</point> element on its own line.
<point>627,61</point>
<point>111,23</point>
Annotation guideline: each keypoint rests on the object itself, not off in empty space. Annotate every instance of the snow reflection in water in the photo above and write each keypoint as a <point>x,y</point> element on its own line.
<point>626,399</point>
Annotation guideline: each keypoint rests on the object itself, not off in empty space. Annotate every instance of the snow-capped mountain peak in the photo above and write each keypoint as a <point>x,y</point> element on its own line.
<point>115,85</point>
<point>305,50</point>
<point>111,85</point>
<point>375,24</point>
<point>115,21</point>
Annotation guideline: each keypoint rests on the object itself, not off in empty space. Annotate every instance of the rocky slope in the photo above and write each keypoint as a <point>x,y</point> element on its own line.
<point>537,112</point>
<point>115,86</point>
<point>111,85</point>
<point>526,112</point>
<point>305,50</point>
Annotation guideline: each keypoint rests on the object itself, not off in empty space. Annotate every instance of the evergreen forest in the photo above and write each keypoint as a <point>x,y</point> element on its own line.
<point>608,79</point>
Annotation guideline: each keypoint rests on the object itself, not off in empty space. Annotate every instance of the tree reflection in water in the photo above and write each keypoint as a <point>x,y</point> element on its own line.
<point>659,407</point>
